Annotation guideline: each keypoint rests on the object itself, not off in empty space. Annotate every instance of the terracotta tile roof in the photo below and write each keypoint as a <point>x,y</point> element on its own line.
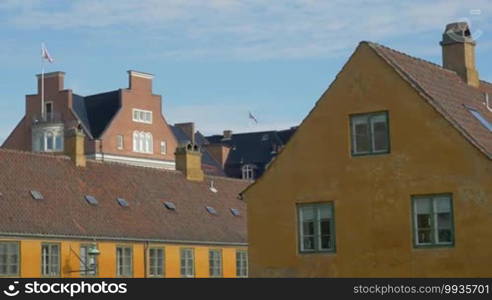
<point>64,211</point>
<point>447,93</point>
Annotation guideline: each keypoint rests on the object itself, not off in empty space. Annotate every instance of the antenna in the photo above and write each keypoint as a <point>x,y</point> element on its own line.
<point>487,102</point>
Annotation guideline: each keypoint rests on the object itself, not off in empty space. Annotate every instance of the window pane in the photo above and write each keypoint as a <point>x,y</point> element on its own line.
<point>49,141</point>
<point>442,204</point>
<point>361,138</point>
<point>380,133</point>
<point>58,143</point>
<point>423,205</point>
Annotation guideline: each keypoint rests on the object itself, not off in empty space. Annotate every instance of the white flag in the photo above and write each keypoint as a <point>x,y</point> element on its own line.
<point>253,117</point>
<point>45,54</point>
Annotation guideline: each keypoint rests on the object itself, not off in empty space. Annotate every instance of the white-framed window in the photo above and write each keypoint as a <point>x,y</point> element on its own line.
<point>241,263</point>
<point>88,263</point>
<point>143,142</point>
<point>156,262</point>
<point>124,261</point>
<point>50,260</point>
<point>9,258</point>
<point>370,133</point>
<point>142,116</point>
<point>187,262</point>
<point>48,141</point>
<point>316,227</point>
<point>248,172</point>
<point>215,262</point>
<point>163,148</point>
<point>119,142</point>
<point>433,220</point>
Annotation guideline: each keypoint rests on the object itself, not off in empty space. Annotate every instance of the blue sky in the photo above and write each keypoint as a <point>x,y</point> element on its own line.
<point>215,60</point>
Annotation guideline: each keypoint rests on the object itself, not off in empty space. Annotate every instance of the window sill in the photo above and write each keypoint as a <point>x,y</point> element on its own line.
<point>370,154</point>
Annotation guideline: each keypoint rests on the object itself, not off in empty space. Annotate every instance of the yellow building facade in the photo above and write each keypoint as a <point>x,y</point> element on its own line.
<point>71,264</point>
<point>434,149</point>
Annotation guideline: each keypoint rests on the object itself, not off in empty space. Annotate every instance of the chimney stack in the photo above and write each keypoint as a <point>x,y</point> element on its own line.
<point>458,52</point>
<point>140,81</point>
<point>227,134</point>
<point>189,161</point>
<point>53,81</point>
<point>74,146</point>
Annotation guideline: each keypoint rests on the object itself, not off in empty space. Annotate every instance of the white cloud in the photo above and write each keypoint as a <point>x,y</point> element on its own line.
<point>250,29</point>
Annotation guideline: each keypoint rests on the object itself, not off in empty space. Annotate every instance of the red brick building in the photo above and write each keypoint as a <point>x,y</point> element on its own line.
<point>125,125</point>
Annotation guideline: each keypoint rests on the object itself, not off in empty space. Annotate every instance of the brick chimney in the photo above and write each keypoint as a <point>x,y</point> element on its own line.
<point>219,152</point>
<point>140,81</point>
<point>227,134</point>
<point>188,129</point>
<point>189,161</point>
<point>74,146</point>
<point>458,52</point>
<point>53,81</point>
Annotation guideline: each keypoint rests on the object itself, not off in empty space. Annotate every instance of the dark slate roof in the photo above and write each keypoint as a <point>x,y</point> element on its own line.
<point>209,165</point>
<point>253,147</point>
<point>96,111</point>
<point>446,92</point>
<point>65,212</point>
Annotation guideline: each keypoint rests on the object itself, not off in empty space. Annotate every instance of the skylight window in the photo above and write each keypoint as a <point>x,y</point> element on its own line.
<point>480,118</point>
<point>235,212</point>
<point>91,200</point>
<point>211,210</point>
<point>37,195</point>
<point>122,202</point>
<point>169,205</point>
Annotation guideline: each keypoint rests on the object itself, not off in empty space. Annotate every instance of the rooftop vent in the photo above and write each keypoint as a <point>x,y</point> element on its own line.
<point>212,187</point>
<point>169,205</point>
<point>37,195</point>
<point>211,210</point>
<point>235,212</point>
<point>91,200</point>
<point>122,202</point>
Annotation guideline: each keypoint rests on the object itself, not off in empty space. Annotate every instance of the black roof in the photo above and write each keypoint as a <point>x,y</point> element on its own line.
<point>253,147</point>
<point>209,164</point>
<point>96,111</point>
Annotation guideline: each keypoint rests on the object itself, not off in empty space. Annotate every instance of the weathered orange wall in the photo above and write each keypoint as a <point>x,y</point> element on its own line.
<point>30,258</point>
<point>372,194</point>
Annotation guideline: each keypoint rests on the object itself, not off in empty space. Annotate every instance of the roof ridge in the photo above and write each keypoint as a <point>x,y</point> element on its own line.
<point>100,93</point>
<point>374,44</point>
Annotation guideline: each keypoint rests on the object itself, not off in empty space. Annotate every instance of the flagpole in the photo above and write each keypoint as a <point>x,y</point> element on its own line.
<point>42,82</point>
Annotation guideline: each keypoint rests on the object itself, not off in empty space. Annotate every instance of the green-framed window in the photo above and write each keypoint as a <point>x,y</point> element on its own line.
<point>124,261</point>
<point>156,262</point>
<point>433,220</point>
<point>187,262</point>
<point>370,133</point>
<point>215,262</point>
<point>9,258</point>
<point>316,227</point>
<point>50,259</point>
<point>241,263</point>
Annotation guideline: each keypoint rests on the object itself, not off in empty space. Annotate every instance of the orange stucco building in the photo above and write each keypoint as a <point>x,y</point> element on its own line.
<point>388,176</point>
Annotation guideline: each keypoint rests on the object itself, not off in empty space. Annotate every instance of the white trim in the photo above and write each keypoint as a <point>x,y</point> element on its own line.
<point>140,74</point>
<point>142,162</point>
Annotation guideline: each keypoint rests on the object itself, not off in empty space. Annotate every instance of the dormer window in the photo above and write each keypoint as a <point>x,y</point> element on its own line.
<point>46,140</point>
<point>248,172</point>
<point>142,116</point>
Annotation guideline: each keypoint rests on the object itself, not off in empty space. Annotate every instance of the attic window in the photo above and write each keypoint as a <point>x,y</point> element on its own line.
<point>169,205</point>
<point>37,195</point>
<point>211,210</point>
<point>235,212</point>
<point>91,200</point>
<point>480,118</point>
<point>122,202</point>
